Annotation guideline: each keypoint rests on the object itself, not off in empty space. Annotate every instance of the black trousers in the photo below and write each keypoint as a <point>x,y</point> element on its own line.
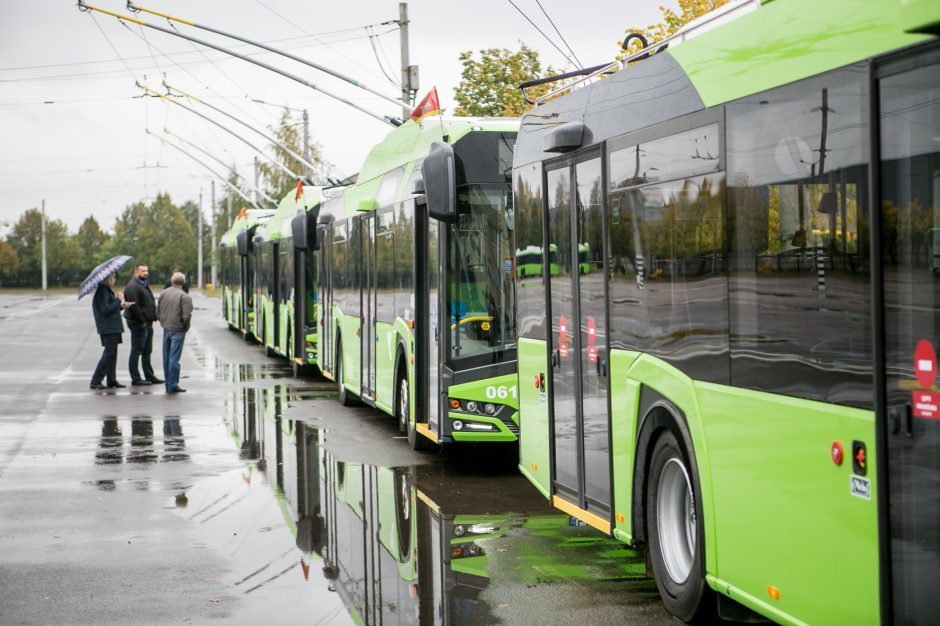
<point>107,364</point>
<point>141,347</point>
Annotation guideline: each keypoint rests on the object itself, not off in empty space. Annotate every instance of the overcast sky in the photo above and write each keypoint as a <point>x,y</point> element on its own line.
<point>73,133</point>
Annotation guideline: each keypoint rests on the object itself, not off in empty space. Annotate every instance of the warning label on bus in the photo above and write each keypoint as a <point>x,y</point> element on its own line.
<point>926,404</point>
<point>860,487</point>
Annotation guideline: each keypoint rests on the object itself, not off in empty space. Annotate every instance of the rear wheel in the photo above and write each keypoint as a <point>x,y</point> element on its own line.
<point>675,529</point>
<point>402,406</point>
<point>416,440</point>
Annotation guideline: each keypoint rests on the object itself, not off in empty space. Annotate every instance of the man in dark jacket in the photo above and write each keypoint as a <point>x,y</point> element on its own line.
<point>107,309</point>
<point>140,320</point>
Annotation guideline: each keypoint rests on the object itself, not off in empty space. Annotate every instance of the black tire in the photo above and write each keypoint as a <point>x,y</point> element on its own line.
<point>404,514</point>
<point>675,531</point>
<point>402,392</point>
<point>345,398</point>
<point>416,440</point>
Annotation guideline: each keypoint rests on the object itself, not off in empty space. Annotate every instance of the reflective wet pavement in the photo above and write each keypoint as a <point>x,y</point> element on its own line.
<point>256,497</point>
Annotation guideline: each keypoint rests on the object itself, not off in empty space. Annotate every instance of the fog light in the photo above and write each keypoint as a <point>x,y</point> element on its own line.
<point>459,530</point>
<point>472,406</point>
<point>458,425</point>
<point>490,408</point>
<point>478,426</point>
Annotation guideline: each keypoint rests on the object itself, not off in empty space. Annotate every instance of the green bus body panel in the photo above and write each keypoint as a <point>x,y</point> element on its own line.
<point>285,329</point>
<point>920,15</point>
<point>386,346</point>
<point>785,41</point>
<point>348,326</point>
<point>477,390</point>
<point>471,565</point>
<point>534,444</point>
<point>777,514</point>
<point>784,514</point>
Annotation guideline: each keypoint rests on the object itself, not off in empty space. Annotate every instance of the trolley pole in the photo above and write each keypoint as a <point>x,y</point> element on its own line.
<point>45,272</point>
<point>214,275</point>
<point>199,237</point>
<point>256,180</point>
<point>307,171</point>
<point>405,63</point>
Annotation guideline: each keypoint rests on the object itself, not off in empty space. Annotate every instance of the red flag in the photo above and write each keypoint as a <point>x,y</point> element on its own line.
<point>300,190</point>
<point>429,106</point>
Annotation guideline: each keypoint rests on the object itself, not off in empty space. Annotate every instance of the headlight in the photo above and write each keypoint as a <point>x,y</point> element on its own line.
<point>472,406</point>
<point>490,408</point>
<point>458,425</point>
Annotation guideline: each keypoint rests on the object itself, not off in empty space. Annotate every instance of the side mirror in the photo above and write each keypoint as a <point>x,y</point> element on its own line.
<point>244,245</point>
<point>298,230</point>
<point>439,174</point>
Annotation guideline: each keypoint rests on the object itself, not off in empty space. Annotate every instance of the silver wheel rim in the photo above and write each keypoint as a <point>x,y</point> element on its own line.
<point>403,400</point>
<point>676,520</point>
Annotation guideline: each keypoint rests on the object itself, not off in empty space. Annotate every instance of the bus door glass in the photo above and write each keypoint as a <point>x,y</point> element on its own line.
<point>910,221</point>
<point>589,239</point>
<point>367,284</point>
<point>324,286</point>
<point>564,353</point>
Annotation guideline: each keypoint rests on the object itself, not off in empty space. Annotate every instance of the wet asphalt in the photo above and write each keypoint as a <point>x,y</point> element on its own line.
<point>256,497</point>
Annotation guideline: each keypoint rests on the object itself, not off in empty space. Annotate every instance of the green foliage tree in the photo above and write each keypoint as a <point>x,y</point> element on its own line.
<point>91,240</point>
<point>490,86</point>
<point>671,22</point>
<point>63,256</point>
<point>9,261</point>
<point>158,234</point>
<point>290,133</point>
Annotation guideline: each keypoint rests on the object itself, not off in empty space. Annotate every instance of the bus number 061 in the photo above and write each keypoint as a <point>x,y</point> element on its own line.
<point>501,392</point>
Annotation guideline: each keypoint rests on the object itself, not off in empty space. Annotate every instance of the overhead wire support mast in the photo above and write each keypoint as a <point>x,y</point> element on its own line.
<point>126,18</point>
<point>135,8</point>
<point>211,171</point>
<point>214,158</point>
<point>277,143</point>
<point>275,162</point>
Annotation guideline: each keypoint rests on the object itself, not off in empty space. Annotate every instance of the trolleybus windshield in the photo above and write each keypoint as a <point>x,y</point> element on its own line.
<point>480,295</point>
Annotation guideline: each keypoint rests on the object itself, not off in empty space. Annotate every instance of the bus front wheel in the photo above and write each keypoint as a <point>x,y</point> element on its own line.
<point>675,532</point>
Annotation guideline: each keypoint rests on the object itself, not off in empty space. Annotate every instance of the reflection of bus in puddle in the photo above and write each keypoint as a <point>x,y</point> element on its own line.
<point>402,545</point>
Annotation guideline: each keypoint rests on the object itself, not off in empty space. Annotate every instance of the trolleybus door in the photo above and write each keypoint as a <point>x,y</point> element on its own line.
<point>367,334</point>
<point>578,335</point>
<point>428,333</point>
<point>910,218</point>
<point>324,286</point>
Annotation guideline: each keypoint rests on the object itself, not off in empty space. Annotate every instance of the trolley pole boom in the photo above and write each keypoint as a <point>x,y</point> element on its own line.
<point>282,167</point>
<point>136,8</point>
<point>214,158</point>
<point>277,143</point>
<point>211,171</point>
<point>87,7</point>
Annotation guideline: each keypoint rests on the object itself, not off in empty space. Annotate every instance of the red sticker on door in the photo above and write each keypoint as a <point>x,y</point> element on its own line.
<point>591,338</point>
<point>925,364</point>
<point>926,404</point>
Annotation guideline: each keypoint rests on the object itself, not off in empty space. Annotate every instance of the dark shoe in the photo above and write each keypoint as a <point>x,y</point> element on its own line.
<point>138,383</point>
<point>96,386</point>
<point>176,390</point>
<point>156,381</point>
<point>117,386</point>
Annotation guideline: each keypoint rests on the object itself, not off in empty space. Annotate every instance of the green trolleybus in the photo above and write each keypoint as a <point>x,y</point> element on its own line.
<point>237,271</point>
<point>734,363</point>
<point>415,282</point>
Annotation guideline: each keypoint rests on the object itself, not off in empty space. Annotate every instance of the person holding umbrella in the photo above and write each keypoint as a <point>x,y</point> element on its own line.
<point>107,307</point>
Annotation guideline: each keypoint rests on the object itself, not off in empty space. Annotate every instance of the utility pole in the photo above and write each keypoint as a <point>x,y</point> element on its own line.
<point>409,73</point>
<point>215,244</point>
<point>307,171</point>
<point>231,218</point>
<point>199,236</point>
<point>45,272</point>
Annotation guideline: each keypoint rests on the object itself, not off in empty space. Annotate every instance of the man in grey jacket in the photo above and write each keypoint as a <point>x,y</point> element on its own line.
<point>175,311</point>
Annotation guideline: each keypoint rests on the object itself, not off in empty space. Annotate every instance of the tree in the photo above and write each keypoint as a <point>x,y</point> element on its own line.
<point>91,240</point>
<point>63,255</point>
<point>490,86</point>
<point>289,133</point>
<point>158,235</point>
<point>672,22</point>
<point>9,261</point>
